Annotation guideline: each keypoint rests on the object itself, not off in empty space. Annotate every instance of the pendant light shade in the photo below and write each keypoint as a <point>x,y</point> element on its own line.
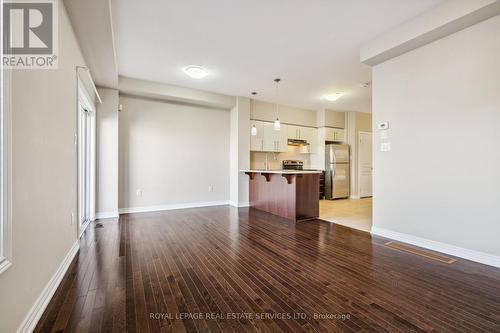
<point>277,123</point>
<point>253,131</point>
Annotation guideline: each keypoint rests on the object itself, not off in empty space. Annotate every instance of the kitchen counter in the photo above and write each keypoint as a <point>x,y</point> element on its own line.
<point>291,172</point>
<point>291,194</point>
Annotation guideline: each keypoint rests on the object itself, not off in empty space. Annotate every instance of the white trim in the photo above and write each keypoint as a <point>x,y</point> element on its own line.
<point>36,311</point>
<point>87,70</point>
<point>356,197</point>
<point>240,204</point>
<point>5,163</point>
<point>107,215</point>
<point>172,207</point>
<point>481,257</point>
<point>85,101</point>
<point>4,264</point>
<point>83,227</point>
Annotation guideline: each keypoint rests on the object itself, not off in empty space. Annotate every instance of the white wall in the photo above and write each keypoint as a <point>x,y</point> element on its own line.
<point>44,193</point>
<point>260,110</point>
<point>173,153</point>
<point>441,180</point>
<point>333,119</point>
<point>107,154</point>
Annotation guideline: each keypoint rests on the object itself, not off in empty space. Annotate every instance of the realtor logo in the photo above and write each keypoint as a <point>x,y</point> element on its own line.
<point>29,34</point>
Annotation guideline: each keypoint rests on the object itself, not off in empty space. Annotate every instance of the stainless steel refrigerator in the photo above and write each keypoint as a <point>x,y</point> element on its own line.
<point>336,171</point>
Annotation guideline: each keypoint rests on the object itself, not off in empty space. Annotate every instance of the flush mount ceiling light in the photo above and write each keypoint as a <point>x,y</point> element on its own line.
<point>333,97</point>
<point>196,72</point>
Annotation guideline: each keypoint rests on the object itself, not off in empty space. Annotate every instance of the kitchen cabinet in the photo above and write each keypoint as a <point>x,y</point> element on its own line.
<point>311,136</point>
<point>267,138</point>
<point>275,141</point>
<point>293,132</point>
<point>257,141</point>
<point>335,134</point>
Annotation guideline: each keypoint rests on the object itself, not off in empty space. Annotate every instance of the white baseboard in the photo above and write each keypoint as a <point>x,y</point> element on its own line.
<point>36,311</point>
<point>481,257</point>
<point>240,204</point>
<point>172,207</point>
<point>354,197</point>
<point>106,215</point>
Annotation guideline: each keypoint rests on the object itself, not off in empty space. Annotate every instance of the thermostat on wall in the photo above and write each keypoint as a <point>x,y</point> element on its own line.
<point>383,125</point>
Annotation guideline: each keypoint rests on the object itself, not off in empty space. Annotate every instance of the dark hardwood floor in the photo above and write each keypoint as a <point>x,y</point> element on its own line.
<point>219,269</point>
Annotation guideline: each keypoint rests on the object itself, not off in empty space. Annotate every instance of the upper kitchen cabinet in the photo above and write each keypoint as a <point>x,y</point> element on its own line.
<point>267,138</point>
<point>309,134</point>
<point>275,141</point>
<point>302,133</point>
<point>293,132</point>
<point>334,134</point>
<point>257,141</point>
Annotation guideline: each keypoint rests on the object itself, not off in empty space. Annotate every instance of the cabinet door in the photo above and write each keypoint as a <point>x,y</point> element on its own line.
<point>306,133</point>
<point>256,141</point>
<point>281,138</point>
<point>311,136</point>
<point>275,141</point>
<point>335,134</point>
<point>269,143</point>
<point>329,134</point>
<point>339,135</point>
<point>293,132</point>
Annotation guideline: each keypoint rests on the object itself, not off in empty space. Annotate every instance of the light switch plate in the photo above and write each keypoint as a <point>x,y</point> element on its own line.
<point>385,146</point>
<point>384,134</point>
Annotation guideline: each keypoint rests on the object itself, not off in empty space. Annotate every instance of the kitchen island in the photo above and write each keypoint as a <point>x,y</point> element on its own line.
<point>292,194</point>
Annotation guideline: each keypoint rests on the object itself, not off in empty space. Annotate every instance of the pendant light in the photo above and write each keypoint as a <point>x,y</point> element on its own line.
<point>253,131</point>
<point>277,123</point>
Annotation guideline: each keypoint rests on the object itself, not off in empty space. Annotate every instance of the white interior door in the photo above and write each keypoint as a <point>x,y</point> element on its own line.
<point>86,163</point>
<point>365,165</point>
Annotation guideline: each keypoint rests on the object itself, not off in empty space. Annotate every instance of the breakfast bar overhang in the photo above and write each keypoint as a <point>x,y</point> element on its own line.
<point>291,194</point>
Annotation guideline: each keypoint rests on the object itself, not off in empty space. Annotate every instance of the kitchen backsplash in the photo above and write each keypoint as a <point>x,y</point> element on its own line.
<point>258,159</point>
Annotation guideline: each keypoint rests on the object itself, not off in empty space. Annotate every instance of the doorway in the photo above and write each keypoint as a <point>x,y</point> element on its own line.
<point>365,164</point>
<point>86,159</point>
<point>356,211</point>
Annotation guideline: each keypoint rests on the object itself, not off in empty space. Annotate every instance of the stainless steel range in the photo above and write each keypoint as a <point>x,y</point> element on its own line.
<point>292,165</point>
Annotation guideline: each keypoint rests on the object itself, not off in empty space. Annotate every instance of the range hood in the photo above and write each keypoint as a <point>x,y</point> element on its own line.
<point>297,142</point>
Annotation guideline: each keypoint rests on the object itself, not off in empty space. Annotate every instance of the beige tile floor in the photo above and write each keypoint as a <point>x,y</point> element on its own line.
<point>354,213</point>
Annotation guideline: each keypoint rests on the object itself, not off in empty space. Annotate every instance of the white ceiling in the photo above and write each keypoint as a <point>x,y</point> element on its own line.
<point>312,45</point>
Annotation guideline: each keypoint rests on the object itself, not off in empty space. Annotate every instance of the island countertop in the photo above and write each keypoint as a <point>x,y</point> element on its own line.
<point>288,172</point>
